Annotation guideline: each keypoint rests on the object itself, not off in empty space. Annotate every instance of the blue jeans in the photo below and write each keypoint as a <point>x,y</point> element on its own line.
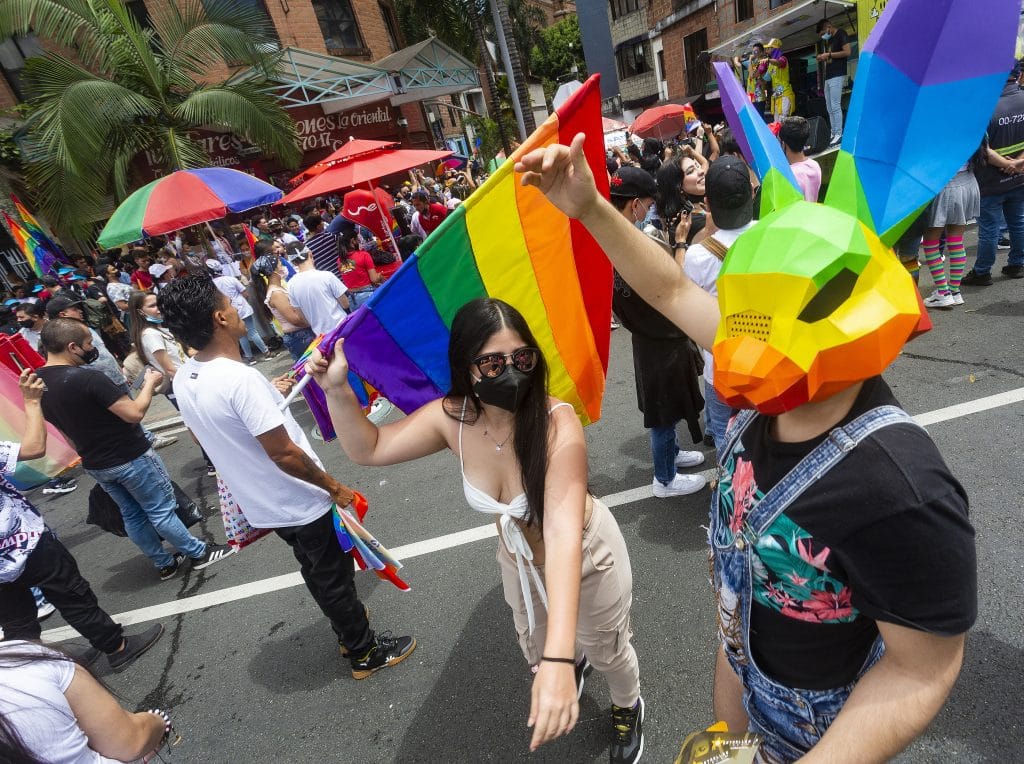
<point>252,336</point>
<point>143,492</point>
<point>993,209</point>
<point>834,103</point>
<point>357,297</point>
<point>298,341</point>
<point>717,414</point>
<point>663,450</point>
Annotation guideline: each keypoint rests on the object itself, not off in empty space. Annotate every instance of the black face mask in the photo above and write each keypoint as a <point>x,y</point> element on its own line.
<point>28,323</point>
<point>506,391</point>
<point>90,355</point>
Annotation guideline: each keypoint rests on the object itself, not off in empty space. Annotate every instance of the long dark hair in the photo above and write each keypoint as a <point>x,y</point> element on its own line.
<point>475,323</point>
<point>259,280</point>
<point>137,323</point>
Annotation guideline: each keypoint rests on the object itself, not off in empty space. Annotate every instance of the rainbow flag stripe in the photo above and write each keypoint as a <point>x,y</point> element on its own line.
<point>37,257</point>
<point>36,231</point>
<point>506,241</point>
<point>59,454</point>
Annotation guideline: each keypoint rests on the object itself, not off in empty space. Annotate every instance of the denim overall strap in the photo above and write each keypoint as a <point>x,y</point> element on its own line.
<point>814,466</point>
<point>735,431</point>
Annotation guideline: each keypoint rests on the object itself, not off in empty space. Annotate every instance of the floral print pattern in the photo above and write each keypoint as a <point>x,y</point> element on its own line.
<point>791,573</point>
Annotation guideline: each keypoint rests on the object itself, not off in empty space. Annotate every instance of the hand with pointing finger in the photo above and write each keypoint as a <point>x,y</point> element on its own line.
<point>563,175</point>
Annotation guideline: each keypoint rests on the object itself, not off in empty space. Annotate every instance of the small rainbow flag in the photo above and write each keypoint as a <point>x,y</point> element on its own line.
<point>690,118</point>
<point>40,260</point>
<point>36,231</point>
<point>59,453</point>
<point>506,241</point>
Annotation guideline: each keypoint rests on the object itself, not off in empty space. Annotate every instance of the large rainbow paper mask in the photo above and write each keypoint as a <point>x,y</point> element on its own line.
<point>812,297</point>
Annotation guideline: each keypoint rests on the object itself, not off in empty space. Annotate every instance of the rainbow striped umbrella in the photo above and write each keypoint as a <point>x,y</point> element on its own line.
<point>184,198</point>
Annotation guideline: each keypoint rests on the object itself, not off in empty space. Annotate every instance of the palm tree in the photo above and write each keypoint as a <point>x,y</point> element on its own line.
<point>131,89</point>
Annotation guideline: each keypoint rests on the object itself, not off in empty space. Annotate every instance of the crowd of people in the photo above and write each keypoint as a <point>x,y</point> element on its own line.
<point>831,625</point>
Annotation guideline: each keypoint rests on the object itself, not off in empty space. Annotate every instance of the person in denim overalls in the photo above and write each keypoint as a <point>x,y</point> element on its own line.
<point>812,307</point>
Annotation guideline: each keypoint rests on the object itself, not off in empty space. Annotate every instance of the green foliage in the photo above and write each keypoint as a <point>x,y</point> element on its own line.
<point>559,50</point>
<point>10,123</point>
<point>131,89</point>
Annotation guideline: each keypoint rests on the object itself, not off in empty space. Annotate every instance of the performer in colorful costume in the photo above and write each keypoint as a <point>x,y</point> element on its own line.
<point>775,69</point>
<point>843,558</point>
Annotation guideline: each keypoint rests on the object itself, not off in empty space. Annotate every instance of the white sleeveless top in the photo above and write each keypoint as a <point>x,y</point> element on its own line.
<point>511,533</point>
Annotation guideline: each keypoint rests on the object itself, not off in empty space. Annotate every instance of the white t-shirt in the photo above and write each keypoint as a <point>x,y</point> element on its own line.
<point>316,294</point>
<point>20,524</point>
<point>118,292</point>
<point>227,404</point>
<point>154,339</point>
<point>702,267</point>
<point>234,289</point>
<point>32,700</point>
<point>31,337</point>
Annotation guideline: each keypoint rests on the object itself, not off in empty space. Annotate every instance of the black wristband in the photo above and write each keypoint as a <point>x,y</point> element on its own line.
<point>558,660</point>
<point>680,245</point>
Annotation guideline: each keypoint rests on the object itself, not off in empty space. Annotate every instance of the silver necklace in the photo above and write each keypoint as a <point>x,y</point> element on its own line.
<point>497,446</point>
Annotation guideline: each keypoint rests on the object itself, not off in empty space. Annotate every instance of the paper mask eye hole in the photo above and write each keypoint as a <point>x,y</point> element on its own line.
<point>833,294</point>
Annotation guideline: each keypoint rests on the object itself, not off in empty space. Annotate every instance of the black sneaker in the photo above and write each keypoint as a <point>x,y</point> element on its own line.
<point>214,553</point>
<point>172,570</point>
<point>211,471</point>
<point>583,670</point>
<point>973,278</point>
<point>1003,243</point>
<point>134,646</point>
<point>1010,271</point>
<point>386,651</point>
<point>627,734</point>
<point>61,485</point>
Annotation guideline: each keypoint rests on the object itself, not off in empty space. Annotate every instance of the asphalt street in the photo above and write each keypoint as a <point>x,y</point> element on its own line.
<point>253,674</point>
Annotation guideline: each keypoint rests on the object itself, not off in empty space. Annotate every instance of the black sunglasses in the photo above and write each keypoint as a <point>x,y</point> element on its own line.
<point>492,365</point>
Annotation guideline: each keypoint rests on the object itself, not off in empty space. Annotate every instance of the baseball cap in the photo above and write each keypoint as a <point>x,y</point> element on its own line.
<point>59,303</point>
<point>727,188</point>
<point>214,266</point>
<point>157,270</point>
<point>633,183</point>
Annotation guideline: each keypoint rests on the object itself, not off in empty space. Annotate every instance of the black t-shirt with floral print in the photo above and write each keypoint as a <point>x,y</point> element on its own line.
<point>883,536</point>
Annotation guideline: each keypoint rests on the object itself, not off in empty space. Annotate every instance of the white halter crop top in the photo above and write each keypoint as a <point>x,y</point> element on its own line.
<point>511,533</point>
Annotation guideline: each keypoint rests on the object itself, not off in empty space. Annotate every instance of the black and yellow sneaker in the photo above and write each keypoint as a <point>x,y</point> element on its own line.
<point>386,651</point>
<point>627,734</point>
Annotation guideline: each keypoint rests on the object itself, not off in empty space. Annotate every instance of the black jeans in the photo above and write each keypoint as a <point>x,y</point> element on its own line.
<point>329,576</point>
<point>52,568</point>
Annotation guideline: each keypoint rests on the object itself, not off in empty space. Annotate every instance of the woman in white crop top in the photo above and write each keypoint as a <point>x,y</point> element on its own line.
<point>268,280</point>
<point>524,460</point>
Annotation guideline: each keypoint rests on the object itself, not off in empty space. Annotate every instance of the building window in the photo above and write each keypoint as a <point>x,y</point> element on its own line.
<point>391,24</point>
<point>13,52</point>
<point>139,11</point>
<point>695,48</point>
<point>661,65</point>
<point>623,7</point>
<point>339,27</point>
<point>744,10</point>
<point>633,59</point>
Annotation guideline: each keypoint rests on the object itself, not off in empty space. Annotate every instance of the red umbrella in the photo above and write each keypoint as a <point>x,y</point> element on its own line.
<point>353,148</point>
<point>661,122</point>
<point>609,125</point>
<point>362,170</point>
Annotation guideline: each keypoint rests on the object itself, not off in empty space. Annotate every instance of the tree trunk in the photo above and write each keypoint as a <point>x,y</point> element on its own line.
<point>490,88</point>
<point>518,73</point>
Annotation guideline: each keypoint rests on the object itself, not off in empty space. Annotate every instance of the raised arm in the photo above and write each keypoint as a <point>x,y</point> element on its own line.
<point>134,411</point>
<point>554,709</point>
<point>33,442</point>
<point>419,434</point>
<point>562,174</point>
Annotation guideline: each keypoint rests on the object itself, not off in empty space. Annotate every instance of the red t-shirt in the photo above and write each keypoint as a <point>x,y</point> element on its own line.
<point>437,212</point>
<point>356,272</point>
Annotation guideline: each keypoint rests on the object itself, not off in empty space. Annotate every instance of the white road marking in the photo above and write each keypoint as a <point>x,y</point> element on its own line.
<point>461,538</point>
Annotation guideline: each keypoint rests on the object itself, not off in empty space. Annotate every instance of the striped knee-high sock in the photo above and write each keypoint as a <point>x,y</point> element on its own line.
<point>957,261</point>
<point>933,259</point>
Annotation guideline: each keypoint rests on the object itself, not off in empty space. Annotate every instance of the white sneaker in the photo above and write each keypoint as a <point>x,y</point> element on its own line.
<point>689,458</point>
<point>836,140</point>
<point>939,300</point>
<point>164,440</point>
<point>958,299</point>
<point>681,485</point>
<point>45,611</point>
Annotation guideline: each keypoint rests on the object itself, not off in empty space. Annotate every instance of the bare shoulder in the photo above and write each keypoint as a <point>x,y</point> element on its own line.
<point>564,422</point>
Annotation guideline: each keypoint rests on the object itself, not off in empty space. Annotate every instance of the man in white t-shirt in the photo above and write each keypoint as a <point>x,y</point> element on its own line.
<point>318,294</point>
<point>234,290</point>
<point>236,415</point>
<point>730,204</point>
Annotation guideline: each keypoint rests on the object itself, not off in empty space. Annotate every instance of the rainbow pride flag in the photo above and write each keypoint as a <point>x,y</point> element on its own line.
<point>506,241</point>
<point>40,260</point>
<point>36,231</point>
<point>59,453</point>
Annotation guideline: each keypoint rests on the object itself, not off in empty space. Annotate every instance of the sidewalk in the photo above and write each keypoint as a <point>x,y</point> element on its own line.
<point>163,416</point>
